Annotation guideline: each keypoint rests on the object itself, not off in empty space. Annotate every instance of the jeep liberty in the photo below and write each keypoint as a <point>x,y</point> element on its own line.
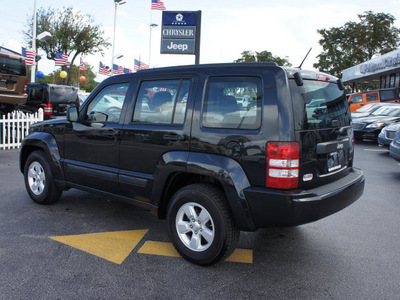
<point>177,140</point>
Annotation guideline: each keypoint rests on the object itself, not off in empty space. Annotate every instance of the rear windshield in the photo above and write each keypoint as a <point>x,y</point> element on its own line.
<point>63,94</point>
<point>12,66</point>
<point>319,105</point>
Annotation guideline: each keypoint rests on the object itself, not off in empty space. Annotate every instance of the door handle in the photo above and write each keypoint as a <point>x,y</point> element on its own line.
<point>111,133</point>
<point>174,137</point>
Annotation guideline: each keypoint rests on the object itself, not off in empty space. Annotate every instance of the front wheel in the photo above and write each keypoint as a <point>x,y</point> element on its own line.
<point>38,179</point>
<point>200,224</point>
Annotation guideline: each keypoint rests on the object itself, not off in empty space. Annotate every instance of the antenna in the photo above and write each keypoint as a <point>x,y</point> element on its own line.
<point>304,58</point>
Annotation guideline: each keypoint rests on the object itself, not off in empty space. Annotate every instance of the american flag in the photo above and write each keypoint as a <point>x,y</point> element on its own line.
<point>115,69</point>
<point>157,5</point>
<point>136,65</point>
<point>82,66</point>
<point>127,71</point>
<point>30,56</point>
<point>103,70</point>
<point>143,66</point>
<point>62,59</point>
<point>120,70</point>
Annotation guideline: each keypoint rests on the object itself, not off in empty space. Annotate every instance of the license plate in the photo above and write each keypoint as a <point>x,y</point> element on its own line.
<point>334,160</point>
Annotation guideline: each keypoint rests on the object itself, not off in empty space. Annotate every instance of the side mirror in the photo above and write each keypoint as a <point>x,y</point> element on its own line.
<point>72,114</point>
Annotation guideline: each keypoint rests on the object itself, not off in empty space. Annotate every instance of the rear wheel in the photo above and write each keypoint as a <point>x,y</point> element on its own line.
<point>39,181</point>
<point>200,224</point>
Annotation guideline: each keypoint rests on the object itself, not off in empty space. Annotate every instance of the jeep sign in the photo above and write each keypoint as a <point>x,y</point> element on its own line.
<point>180,33</point>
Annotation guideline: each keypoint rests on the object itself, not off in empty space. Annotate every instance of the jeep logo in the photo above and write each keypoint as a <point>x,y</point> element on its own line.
<point>173,46</point>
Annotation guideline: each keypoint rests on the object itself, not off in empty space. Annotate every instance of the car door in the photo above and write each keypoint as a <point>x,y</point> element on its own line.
<point>157,132</point>
<point>91,145</point>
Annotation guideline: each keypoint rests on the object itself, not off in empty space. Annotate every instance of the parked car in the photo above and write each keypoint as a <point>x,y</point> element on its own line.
<point>370,127</point>
<point>358,100</point>
<point>368,109</point>
<point>394,148</point>
<point>387,134</point>
<point>53,98</point>
<point>13,80</point>
<point>196,158</point>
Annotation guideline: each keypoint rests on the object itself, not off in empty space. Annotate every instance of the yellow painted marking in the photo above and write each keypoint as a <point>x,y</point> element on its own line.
<point>167,249</point>
<point>159,248</point>
<point>241,256</point>
<point>112,246</point>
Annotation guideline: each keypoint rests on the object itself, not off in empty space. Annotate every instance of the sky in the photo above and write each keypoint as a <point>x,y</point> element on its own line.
<point>288,29</point>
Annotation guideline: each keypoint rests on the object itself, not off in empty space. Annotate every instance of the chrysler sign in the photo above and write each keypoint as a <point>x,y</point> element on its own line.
<point>180,33</point>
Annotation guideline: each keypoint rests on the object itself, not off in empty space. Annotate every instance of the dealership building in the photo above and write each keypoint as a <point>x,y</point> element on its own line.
<point>383,71</point>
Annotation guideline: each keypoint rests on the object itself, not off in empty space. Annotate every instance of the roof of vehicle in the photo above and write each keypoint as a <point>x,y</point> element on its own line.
<point>307,74</point>
<point>8,51</point>
<point>380,90</point>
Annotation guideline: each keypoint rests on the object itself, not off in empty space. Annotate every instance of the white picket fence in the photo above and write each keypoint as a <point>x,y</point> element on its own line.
<point>15,126</point>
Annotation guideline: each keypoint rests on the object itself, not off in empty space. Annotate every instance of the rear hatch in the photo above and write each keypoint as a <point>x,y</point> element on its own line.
<point>323,129</point>
<point>61,97</point>
<point>12,74</point>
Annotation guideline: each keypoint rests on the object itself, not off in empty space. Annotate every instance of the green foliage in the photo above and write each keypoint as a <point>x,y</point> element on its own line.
<point>263,56</point>
<point>73,33</point>
<point>354,43</point>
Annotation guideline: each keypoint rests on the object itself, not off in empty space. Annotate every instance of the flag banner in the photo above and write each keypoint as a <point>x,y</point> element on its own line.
<point>136,65</point>
<point>62,59</point>
<point>120,70</point>
<point>143,66</point>
<point>82,66</point>
<point>30,57</point>
<point>127,71</point>
<point>103,70</point>
<point>115,69</point>
<point>157,5</point>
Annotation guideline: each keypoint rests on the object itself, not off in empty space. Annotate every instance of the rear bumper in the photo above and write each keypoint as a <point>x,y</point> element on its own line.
<point>276,208</point>
<point>13,98</point>
<point>395,151</point>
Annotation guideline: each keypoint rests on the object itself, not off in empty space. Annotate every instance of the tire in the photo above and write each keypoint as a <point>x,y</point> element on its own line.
<point>200,224</point>
<point>39,181</point>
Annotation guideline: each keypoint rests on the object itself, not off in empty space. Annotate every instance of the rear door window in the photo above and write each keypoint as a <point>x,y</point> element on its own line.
<point>12,66</point>
<point>372,96</point>
<point>232,102</point>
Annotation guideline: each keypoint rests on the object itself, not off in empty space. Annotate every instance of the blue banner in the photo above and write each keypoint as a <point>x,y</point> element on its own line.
<point>179,18</point>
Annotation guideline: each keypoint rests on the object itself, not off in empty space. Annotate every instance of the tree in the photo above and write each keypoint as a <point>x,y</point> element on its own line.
<point>263,56</point>
<point>73,33</point>
<point>354,43</point>
<point>88,85</point>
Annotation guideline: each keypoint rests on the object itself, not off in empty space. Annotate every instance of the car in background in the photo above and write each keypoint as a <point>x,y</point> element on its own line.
<point>82,97</point>
<point>370,127</point>
<point>13,80</point>
<point>53,98</point>
<point>394,148</point>
<point>386,136</point>
<point>368,109</point>
<point>363,98</point>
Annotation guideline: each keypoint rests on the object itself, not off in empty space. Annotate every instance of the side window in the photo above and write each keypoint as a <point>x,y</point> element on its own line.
<point>232,102</point>
<point>162,102</point>
<point>356,99</point>
<point>107,105</point>
<point>372,96</point>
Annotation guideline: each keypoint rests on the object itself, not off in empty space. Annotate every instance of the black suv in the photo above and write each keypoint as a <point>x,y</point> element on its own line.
<point>53,98</point>
<point>178,141</point>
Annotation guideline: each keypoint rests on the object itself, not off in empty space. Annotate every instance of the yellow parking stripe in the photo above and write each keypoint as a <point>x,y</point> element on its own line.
<point>112,246</point>
<point>167,249</point>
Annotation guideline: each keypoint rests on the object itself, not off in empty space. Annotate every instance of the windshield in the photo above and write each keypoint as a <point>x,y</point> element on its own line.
<point>63,94</point>
<point>319,105</point>
<point>12,66</point>
<point>366,108</point>
<point>386,111</point>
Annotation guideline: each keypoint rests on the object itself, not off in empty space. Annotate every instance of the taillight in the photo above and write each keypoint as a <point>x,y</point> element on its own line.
<point>25,85</point>
<point>48,109</point>
<point>282,165</point>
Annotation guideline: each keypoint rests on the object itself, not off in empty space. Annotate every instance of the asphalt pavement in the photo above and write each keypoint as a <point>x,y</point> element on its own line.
<point>353,254</point>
